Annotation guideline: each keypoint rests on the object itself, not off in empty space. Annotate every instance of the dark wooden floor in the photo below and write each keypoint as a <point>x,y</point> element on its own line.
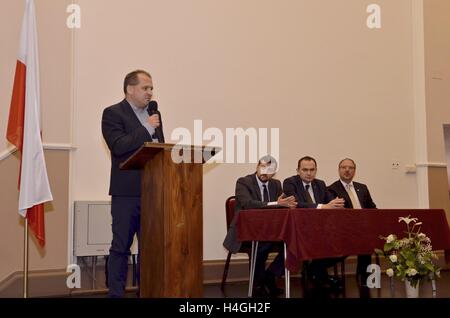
<point>238,290</point>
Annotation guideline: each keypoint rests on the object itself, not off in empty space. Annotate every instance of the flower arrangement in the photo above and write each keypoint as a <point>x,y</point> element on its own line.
<point>410,258</point>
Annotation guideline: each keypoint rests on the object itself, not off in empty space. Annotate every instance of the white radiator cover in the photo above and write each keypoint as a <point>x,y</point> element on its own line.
<point>92,228</point>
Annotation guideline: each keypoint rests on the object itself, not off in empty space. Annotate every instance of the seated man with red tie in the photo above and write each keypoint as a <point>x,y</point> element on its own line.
<point>312,193</point>
<point>257,191</point>
<point>356,196</point>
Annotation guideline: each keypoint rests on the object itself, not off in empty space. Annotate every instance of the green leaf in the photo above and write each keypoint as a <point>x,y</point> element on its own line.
<point>379,252</point>
<point>411,263</point>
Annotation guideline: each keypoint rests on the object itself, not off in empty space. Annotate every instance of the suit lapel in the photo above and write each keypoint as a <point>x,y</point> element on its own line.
<point>136,122</point>
<point>301,188</point>
<point>358,193</point>
<point>316,191</point>
<point>272,191</point>
<point>129,111</point>
<point>256,187</point>
<point>345,194</point>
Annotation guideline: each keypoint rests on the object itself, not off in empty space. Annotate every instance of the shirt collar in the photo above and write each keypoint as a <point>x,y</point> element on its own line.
<point>260,183</point>
<point>137,109</point>
<point>345,184</point>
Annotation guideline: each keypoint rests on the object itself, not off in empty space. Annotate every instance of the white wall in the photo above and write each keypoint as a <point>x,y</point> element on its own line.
<point>55,45</point>
<point>8,61</point>
<point>311,68</point>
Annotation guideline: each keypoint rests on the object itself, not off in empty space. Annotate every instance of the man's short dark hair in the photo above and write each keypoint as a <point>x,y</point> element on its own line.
<point>306,158</point>
<point>346,159</point>
<point>133,79</point>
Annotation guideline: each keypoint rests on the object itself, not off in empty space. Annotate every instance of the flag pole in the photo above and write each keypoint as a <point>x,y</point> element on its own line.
<point>25,260</point>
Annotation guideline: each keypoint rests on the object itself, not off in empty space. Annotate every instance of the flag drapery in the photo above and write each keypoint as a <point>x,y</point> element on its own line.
<point>24,129</point>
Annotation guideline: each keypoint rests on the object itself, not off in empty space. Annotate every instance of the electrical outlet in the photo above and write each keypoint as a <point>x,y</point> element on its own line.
<point>395,164</point>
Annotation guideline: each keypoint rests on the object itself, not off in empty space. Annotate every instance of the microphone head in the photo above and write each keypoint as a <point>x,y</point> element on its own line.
<point>152,107</point>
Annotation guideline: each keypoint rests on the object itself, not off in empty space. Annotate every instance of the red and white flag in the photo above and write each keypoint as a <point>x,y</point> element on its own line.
<point>24,128</point>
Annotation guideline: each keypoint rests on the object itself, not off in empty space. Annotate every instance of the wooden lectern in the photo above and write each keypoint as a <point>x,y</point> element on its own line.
<point>171,243</point>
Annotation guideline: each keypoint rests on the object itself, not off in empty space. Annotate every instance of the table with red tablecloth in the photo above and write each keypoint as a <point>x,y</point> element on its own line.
<point>321,233</point>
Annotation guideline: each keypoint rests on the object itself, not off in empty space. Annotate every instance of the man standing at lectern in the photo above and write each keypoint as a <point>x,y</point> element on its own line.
<point>125,127</point>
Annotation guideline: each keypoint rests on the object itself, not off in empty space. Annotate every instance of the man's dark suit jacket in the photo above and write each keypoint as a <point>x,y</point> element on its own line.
<point>338,190</point>
<point>124,134</point>
<point>294,186</point>
<point>248,196</point>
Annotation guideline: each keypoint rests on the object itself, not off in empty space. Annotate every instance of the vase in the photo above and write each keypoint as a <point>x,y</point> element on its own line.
<point>411,292</point>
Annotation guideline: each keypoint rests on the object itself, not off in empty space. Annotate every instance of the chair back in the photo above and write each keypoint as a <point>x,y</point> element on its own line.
<point>230,203</point>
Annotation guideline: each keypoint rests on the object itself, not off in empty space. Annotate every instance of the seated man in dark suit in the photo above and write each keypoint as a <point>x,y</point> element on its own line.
<point>356,196</point>
<point>312,193</point>
<point>256,191</point>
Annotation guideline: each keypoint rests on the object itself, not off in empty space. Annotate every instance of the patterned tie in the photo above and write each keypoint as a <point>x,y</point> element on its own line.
<point>308,196</point>
<point>265,194</point>
<point>355,202</point>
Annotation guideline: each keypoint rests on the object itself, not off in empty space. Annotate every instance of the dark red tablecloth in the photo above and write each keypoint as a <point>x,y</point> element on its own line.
<point>316,233</point>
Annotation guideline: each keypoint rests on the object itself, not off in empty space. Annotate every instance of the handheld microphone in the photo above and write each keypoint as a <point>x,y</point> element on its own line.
<point>152,109</point>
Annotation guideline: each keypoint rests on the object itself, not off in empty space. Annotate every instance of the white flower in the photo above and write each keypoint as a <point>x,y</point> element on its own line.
<point>390,238</point>
<point>407,219</point>
<point>411,271</point>
<point>393,258</point>
<point>416,246</point>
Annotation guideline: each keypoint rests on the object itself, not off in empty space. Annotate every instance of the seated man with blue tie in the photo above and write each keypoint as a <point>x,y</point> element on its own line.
<point>312,193</point>
<point>256,191</point>
<point>356,196</point>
